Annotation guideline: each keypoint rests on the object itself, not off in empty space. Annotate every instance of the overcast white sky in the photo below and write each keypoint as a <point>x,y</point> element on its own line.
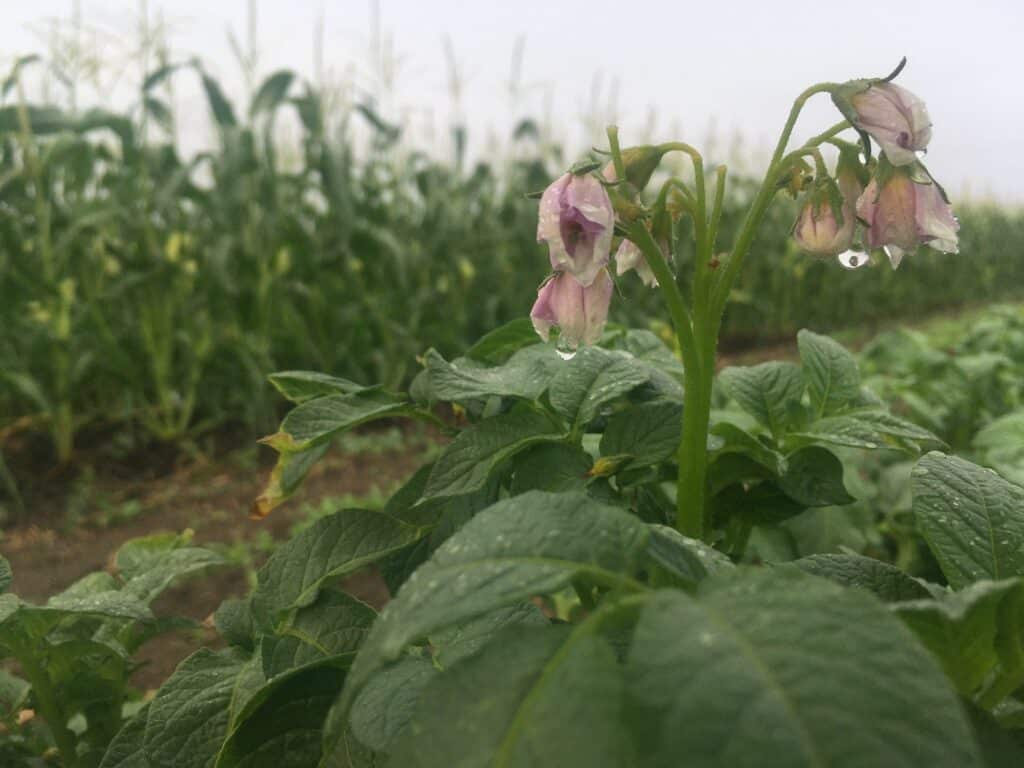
<point>731,67</point>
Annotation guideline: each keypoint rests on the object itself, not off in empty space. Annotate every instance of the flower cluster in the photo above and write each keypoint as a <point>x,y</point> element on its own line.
<point>577,222</point>
<point>902,207</point>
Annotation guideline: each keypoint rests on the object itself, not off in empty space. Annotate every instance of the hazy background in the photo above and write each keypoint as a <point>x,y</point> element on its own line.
<point>660,69</point>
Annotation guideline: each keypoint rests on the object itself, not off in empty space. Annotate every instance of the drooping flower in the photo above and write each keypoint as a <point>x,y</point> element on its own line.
<point>895,118</point>
<point>579,311</point>
<point>577,222</point>
<point>818,229</point>
<point>902,214</point>
<point>629,256</point>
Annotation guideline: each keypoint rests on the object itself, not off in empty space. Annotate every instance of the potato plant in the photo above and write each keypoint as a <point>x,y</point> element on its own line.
<point>575,579</point>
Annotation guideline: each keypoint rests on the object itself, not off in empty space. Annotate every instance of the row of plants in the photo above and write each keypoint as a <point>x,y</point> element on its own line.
<point>589,572</point>
<point>150,293</point>
<point>547,612</point>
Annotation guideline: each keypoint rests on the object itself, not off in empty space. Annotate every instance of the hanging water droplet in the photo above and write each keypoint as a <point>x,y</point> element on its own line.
<point>853,259</point>
<point>565,349</point>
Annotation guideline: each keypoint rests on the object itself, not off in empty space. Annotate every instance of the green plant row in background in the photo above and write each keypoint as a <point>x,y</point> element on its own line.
<point>153,293</point>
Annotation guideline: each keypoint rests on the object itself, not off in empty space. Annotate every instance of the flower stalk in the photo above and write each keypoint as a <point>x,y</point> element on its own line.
<point>833,213</point>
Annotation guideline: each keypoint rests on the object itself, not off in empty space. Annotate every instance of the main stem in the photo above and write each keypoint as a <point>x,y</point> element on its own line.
<point>49,706</point>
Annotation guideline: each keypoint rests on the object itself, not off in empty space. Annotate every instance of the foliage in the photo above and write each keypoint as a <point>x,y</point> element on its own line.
<point>544,614</point>
<point>75,651</point>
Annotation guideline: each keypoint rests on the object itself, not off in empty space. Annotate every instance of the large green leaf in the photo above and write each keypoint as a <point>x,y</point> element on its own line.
<point>1001,445</point>
<point>6,574</point>
<point>540,697</point>
<point>467,462</point>
<point>332,547</point>
<point>504,555</point>
<point>781,669</point>
<point>551,467</point>
<point>886,581</point>
<point>644,434</point>
<point>814,478</point>
<point>526,374</point>
<point>334,626</point>
<point>592,378</point>
<point>686,561</point>
<point>972,519</point>
<point>300,386</point>
<point>868,428</point>
<point>127,748</point>
<point>977,633</point>
<point>322,418</point>
<point>188,719</point>
<point>770,392</point>
<point>281,724</point>
<point>151,564</point>
<point>833,380</point>
<point>384,708</point>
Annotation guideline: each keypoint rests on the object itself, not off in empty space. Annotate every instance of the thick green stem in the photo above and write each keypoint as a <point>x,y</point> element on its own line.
<point>49,706</point>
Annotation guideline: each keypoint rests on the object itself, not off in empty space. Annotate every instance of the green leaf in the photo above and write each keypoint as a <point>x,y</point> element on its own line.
<point>188,718</point>
<point>115,604</point>
<point>833,380</point>
<point>467,462</point>
<point>592,378</point>
<point>234,622</point>
<point>384,708</point>
<point>972,519</point>
<point>814,478</point>
<point>1001,446</point>
<point>975,633</point>
<point>13,693</point>
<point>158,110</point>
<point>285,478</point>
<point>502,556</point>
<point>760,504</point>
<point>868,428</point>
<point>307,431</point>
<point>6,574</point>
<point>886,581</point>
<point>332,627</point>
<point>300,386</point>
<point>332,547</point>
<point>647,434</point>
<point>736,440</point>
<point>281,725</point>
<point>152,564</point>
<point>497,346</point>
<point>323,418</point>
<point>771,668</point>
<point>1001,748</point>
<point>525,375</point>
<point>770,392</point>
<point>272,92</point>
<point>219,105</point>
<point>687,561</point>
<point>540,697</point>
<point>126,749</point>
<point>555,467</point>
